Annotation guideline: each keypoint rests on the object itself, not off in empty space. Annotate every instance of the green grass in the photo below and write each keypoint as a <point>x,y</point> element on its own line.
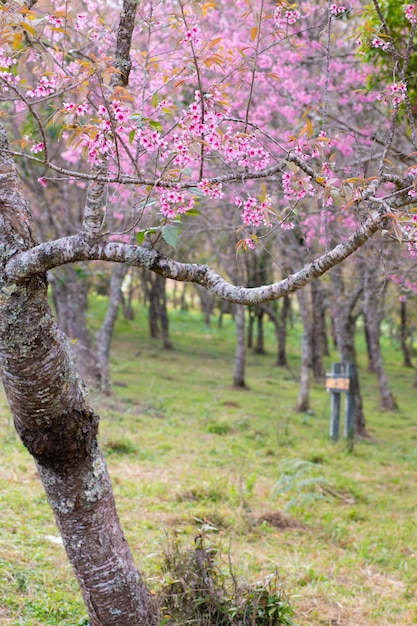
<point>185,449</point>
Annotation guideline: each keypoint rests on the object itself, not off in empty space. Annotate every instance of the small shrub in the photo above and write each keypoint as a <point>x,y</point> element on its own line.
<point>196,591</point>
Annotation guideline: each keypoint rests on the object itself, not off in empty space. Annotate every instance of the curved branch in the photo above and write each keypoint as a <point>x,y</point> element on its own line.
<point>77,248</point>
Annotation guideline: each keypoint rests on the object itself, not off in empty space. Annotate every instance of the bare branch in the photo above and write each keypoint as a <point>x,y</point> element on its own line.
<point>77,248</point>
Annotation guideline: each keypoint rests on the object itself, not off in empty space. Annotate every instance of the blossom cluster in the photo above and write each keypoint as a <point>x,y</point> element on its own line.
<point>45,87</point>
<point>377,42</point>
<point>174,202</point>
<point>199,122</point>
<point>254,212</point>
<point>6,61</point>
<point>56,22</point>
<point>81,21</point>
<point>283,19</point>
<point>8,78</point>
<point>115,118</point>
<point>337,9</point>
<point>244,150</point>
<point>405,283</point>
<point>394,93</point>
<point>191,36</point>
<point>410,12</point>
<point>295,186</point>
<point>211,190</point>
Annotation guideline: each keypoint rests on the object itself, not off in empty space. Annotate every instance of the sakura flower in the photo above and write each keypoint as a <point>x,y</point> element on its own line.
<point>337,9</point>
<point>57,22</point>
<point>38,147</point>
<point>377,42</point>
<point>81,21</point>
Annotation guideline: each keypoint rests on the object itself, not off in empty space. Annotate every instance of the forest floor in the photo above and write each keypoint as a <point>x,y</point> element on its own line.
<point>185,450</point>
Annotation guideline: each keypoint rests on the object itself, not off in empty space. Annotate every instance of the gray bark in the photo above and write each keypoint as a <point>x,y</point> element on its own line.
<point>46,256</point>
<point>104,335</point>
<point>303,402</point>
<point>239,370</point>
<point>207,301</point>
<point>70,298</point>
<point>318,331</point>
<point>372,296</point>
<point>58,427</point>
<point>279,318</point>
<point>405,335</point>
<point>154,287</point>
<point>282,332</point>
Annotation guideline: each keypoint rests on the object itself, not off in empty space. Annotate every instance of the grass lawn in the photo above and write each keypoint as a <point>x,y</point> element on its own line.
<point>184,450</point>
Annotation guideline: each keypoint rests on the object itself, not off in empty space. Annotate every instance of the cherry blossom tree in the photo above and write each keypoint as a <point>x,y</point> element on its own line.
<point>160,111</point>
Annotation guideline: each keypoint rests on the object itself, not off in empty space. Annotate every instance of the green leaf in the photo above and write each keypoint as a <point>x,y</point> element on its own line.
<point>132,135</point>
<point>155,125</point>
<point>140,236</point>
<point>170,233</point>
<point>155,99</point>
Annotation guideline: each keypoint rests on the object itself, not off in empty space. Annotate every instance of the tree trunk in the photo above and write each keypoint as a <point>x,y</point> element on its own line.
<point>69,295</point>
<point>206,302</point>
<point>318,331</point>
<point>57,426</point>
<point>344,327</point>
<point>127,299</point>
<point>251,324</point>
<point>104,335</point>
<point>155,290</point>
<point>303,402</point>
<point>369,353</point>
<point>373,326</point>
<point>405,335</point>
<point>259,348</point>
<point>59,429</point>
<point>282,332</point>
<point>239,371</point>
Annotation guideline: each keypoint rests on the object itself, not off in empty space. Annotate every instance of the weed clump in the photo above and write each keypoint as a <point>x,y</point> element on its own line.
<point>197,591</point>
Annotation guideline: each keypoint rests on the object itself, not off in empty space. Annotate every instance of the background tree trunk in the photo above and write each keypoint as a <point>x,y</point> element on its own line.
<point>104,335</point>
<point>239,370</point>
<point>260,346</point>
<point>372,296</point>
<point>318,331</point>
<point>344,327</point>
<point>406,346</point>
<point>207,301</point>
<point>154,286</point>
<point>70,298</point>
<point>303,402</point>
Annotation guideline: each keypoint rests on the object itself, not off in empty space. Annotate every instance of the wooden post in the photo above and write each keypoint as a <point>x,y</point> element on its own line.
<point>335,405</point>
<point>341,380</point>
<point>350,404</point>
